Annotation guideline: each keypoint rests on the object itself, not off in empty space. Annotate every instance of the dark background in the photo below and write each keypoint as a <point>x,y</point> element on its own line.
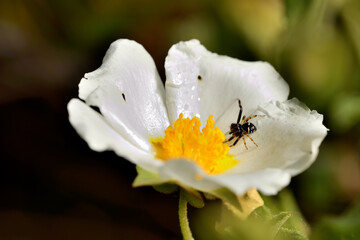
<point>52,186</point>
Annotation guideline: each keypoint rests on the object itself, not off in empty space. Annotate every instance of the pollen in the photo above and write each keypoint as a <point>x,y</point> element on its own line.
<point>183,139</point>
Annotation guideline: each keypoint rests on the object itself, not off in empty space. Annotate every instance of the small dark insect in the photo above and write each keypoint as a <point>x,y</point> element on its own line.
<point>241,129</point>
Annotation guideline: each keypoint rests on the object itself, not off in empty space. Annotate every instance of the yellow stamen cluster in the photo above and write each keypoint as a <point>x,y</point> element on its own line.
<point>185,140</point>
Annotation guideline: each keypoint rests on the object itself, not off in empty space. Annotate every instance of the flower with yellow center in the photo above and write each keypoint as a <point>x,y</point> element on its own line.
<point>135,116</point>
<point>206,148</point>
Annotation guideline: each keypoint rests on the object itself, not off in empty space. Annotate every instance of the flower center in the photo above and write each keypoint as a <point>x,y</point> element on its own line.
<point>185,140</point>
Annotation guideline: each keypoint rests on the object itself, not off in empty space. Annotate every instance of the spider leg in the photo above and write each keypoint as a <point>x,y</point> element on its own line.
<point>251,139</point>
<point>243,119</point>
<point>240,112</point>
<point>236,141</point>
<point>229,133</point>
<point>228,140</point>
<point>244,142</point>
<point>254,116</point>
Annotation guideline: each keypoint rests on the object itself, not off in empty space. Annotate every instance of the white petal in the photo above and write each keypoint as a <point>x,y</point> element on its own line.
<point>288,138</point>
<point>267,181</point>
<point>129,92</point>
<point>100,136</point>
<point>185,172</point>
<point>223,80</point>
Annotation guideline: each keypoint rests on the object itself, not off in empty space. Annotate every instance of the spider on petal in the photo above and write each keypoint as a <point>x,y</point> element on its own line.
<point>241,129</point>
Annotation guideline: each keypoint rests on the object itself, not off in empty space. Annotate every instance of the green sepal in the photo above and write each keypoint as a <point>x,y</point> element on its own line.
<point>146,178</point>
<point>166,188</point>
<point>228,197</point>
<point>209,196</point>
<point>193,197</point>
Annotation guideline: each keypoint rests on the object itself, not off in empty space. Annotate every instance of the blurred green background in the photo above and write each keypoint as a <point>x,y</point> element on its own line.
<point>52,186</point>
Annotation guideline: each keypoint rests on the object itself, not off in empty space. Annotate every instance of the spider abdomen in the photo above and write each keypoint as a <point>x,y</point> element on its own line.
<point>248,127</point>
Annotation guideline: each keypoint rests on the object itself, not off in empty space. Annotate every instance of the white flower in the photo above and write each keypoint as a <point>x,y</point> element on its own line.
<point>136,109</point>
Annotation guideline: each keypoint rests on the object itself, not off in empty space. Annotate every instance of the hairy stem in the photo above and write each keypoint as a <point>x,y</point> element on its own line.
<point>183,219</point>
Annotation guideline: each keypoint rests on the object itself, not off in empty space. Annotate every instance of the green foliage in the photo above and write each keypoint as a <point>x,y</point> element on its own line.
<point>339,228</point>
<point>346,106</point>
<point>290,234</point>
<point>261,224</point>
<point>277,221</point>
<point>270,222</point>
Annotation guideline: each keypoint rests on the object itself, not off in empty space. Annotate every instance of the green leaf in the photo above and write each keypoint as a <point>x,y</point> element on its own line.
<point>285,202</point>
<point>166,188</point>
<point>274,223</point>
<point>263,213</point>
<point>278,221</point>
<point>146,178</point>
<point>289,204</point>
<point>290,234</point>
